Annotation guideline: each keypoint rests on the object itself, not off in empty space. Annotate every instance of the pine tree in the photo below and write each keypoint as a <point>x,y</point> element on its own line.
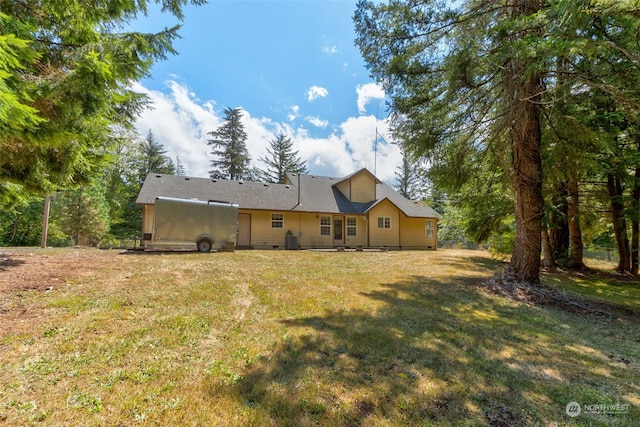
<point>65,83</point>
<point>281,159</point>
<point>411,178</point>
<point>231,158</point>
<point>83,214</point>
<point>153,158</point>
<point>180,171</point>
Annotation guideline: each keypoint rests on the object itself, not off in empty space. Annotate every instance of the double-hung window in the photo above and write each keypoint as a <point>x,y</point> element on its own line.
<point>325,226</point>
<point>277,220</point>
<point>429,228</point>
<point>352,226</point>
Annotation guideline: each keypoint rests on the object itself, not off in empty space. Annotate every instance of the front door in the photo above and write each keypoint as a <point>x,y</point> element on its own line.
<point>338,230</point>
<point>244,231</point>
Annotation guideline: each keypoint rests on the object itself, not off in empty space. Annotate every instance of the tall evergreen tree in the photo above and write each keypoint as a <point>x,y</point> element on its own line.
<point>153,158</point>
<point>411,177</point>
<point>83,213</point>
<point>231,158</point>
<point>180,171</point>
<point>65,81</point>
<point>280,159</point>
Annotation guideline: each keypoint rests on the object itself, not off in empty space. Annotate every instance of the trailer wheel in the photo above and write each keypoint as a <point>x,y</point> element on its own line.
<point>204,245</point>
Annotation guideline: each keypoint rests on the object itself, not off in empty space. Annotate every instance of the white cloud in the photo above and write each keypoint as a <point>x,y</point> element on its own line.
<point>330,50</point>
<point>180,121</point>
<point>317,122</point>
<point>315,92</point>
<point>294,113</point>
<point>367,93</point>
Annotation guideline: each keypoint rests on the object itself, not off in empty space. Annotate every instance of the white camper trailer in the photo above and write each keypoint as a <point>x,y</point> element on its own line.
<point>182,223</point>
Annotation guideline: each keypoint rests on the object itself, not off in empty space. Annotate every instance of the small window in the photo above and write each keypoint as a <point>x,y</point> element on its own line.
<point>429,229</point>
<point>325,226</point>
<point>384,222</point>
<point>352,226</point>
<point>277,220</point>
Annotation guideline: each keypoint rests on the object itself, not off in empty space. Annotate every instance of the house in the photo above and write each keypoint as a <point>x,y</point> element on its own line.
<point>321,212</point>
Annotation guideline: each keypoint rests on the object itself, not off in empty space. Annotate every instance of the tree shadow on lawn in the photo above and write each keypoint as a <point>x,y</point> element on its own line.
<point>430,353</point>
<point>7,262</point>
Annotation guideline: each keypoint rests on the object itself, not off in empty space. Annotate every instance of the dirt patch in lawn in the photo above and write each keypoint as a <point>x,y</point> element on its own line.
<point>24,271</point>
<point>21,270</point>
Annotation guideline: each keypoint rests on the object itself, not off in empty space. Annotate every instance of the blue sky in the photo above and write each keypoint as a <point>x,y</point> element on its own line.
<point>291,66</point>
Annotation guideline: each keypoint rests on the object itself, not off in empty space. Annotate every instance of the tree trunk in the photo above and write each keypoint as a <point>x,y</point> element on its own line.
<point>525,89</point>
<point>548,260</point>
<point>573,217</point>
<point>635,221</point>
<point>559,230</point>
<point>614,188</point>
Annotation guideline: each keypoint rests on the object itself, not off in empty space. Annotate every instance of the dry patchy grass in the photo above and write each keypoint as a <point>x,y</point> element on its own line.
<point>297,338</point>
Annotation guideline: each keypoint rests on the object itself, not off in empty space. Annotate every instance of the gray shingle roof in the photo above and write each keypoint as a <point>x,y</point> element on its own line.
<point>317,194</point>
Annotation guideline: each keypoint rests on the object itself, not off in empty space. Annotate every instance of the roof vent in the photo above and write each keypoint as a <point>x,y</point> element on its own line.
<point>186,178</point>
<point>214,180</point>
<point>313,176</point>
<point>266,185</point>
<point>158,176</point>
<point>240,182</point>
<point>287,186</point>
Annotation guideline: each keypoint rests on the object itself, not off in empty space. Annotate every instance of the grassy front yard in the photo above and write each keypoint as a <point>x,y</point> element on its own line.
<point>290,338</point>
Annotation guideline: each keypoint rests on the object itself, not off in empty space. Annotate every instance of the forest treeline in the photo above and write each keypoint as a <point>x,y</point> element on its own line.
<point>526,112</point>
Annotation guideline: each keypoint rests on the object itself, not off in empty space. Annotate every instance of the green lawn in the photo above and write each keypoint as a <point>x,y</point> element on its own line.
<point>297,338</point>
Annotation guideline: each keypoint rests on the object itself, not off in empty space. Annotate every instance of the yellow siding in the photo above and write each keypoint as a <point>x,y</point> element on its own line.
<point>413,234</point>
<point>389,237</point>
<point>262,235</point>
<point>345,188</point>
<point>361,231</point>
<point>304,225</point>
<point>363,188</point>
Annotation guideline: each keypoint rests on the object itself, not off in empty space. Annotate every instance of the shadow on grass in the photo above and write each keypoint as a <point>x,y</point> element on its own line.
<point>7,262</point>
<point>432,353</point>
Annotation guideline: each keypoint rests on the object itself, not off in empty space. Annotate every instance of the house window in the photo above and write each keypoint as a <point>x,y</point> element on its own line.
<point>384,222</point>
<point>277,220</point>
<point>352,226</point>
<point>429,229</point>
<point>325,226</point>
